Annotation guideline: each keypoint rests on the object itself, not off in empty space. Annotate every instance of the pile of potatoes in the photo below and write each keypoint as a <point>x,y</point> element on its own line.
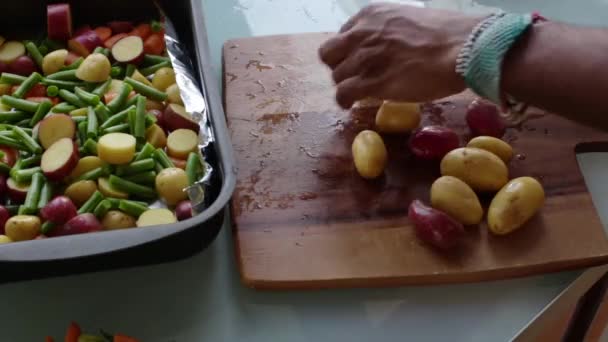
<point>479,167</point>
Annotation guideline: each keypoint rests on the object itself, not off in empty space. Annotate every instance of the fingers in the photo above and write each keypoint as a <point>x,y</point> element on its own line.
<point>350,23</point>
<point>360,61</point>
<point>335,50</point>
<point>354,89</point>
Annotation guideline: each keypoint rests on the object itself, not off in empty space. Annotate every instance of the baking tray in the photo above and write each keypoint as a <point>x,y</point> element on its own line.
<point>131,247</point>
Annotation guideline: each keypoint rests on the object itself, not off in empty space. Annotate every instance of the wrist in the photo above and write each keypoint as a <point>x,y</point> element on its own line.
<point>459,34</point>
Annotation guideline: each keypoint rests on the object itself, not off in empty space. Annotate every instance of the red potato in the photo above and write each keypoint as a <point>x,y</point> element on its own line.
<point>23,66</point>
<point>3,179</point>
<point>103,32</point>
<point>59,210</point>
<point>112,40</point>
<point>435,227</point>
<point>433,142</point>
<point>176,117</point>
<point>128,50</point>
<point>59,159</point>
<point>158,114</point>
<point>183,210</point>
<point>10,51</point>
<point>16,192</point>
<point>4,216</point>
<point>71,58</point>
<point>85,43</point>
<point>55,127</point>
<point>483,118</point>
<point>81,30</point>
<point>10,155</point>
<point>120,26</point>
<point>59,22</point>
<point>37,91</point>
<point>81,224</point>
<point>3,67</point>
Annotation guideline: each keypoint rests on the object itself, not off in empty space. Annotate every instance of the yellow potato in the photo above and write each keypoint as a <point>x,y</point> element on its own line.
<point>480,169</point>
<point>5,239</point>
<point>115,86</point>
<point>497,146</point>
<point>115,219</point>
<point>54,61</point>
<point>107,190</point>
<point>174,95</point>
<point>95,68</point>
<point>5,89</point>
<point>397,117</point>
<point>79,192</point>
<point>170,185</point>
<point>155,217</point>
<point>85,165</point>
<point>457,199</point>
<point>116,148</point>
<point>141,78</point>
<point>10,51</point>
<point>156,136</point>
<point>515,204</point>
<point>181,142</point>
<point>22,227</point>
<point>163,78</point>
<point>150,104</point>
<point>369,154</point>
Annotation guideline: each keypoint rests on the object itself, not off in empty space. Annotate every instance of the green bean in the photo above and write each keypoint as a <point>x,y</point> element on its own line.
<point>31,144</point>
<point>18,166</point>
<point>98,49</point>
<point>131,121</point>
<point>102,208</point>
<point>79,119</point>
<point>67,85</point>
<point>90,146</point>
<point>52,91</point>
<point>103,113</point>
<point>33,160</point>
<point>75,64</point>
<point>12,209</point>
<point>94,174</point>
<point>146,90</point>
<point>19,104</point>
<point>154,59</point>
<point>5,140</point>
<point>34,52</point>
<point>27,85</point>
<point>8,78</point>
<point>120,128</point>
<point>135,167</point>
<point>86,97</point>
<point>71,98</point>
<point>33,193</point>
<point>154,68</point>
<point>47,227</point>
<point>82,112</point>
<point>53,45</point>
<point>23,122</point>
<point>114,202</point>
<point>158,167</point>
<point>2,154</point>
<point>65,75</point>
<point>63,107</point>
<point>82,130</point>
<point>132,188</point>
<point>193,167</point>
<point>117,118</point>
<point>120,100</point>
<point>117,72</point>
<point>132,101</point>
<point>132,208</point>
<point>4,168</point>
<point>43,110</point>
<point>7,117</point>
<point>161,157</point>
<point>45,195</point>
<point>43,50</point>
<point>139,129</point>
<point>130,70</point>
<point>146,152</point>
<point>148,177</point>
<point>156,26</point>
<point>92,124</point>
<point>90,205</point>
<point>25,175</point>
<point>101,89</point>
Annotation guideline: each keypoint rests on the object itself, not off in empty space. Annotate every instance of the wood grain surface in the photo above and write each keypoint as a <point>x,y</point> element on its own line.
<point>304,219</point>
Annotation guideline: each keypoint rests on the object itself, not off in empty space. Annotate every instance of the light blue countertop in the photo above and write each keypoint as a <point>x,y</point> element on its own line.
<point>201,298</point>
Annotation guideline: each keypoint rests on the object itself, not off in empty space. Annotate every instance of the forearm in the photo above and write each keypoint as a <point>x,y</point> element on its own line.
<point>563,69</point>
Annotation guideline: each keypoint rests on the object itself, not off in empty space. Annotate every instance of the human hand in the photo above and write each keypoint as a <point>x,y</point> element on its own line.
<point>397,52</point>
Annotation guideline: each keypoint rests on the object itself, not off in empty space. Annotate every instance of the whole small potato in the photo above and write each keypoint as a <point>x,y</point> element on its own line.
<point>80,191</point>
<point>174,95</point>
<point>369,154</point>
<point>22,227</point>
<point>5,239</point>
<point>515,204</point>
<point>163,78</point>
<point>397,117</point>
<point>115,219</point>
<point>457,199</point>
<point>497,146</point>
<point>480,169</point>
<point>433,142</point>
<point>170,185</point>
<point>435,227</point>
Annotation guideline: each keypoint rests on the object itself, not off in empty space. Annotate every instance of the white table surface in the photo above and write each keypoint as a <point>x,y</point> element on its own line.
<point>201,298</point>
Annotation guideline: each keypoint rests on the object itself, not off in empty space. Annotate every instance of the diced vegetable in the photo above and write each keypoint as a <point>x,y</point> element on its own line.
<point>59,159</point>
<point>17,191</point>
<point>59,22</point>
<point>10,51</point>
<point>163,78</point>
<point>120,26</point>
<point>115,219</point>
<point>54,61</point>
<point>176,117</point>
<point>80,192</point>
<point>171,184</point>
<point>116,148</point>
<point>183,210</point>
<point>85,43</point>
<point>156,136</point>
<point>174,95</point>
<point>112,40</point>
<point>128,50</point>
<point>155,43</point>
<point>103,32</point>
<point>23,65</point>
<point>95,68</point>
<point>22,227</point>
<point>155,217</point>
<point>109,191</point>
<point>55,127</point>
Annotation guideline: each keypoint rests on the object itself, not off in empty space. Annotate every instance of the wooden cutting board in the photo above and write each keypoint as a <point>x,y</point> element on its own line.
<point>303,218</point>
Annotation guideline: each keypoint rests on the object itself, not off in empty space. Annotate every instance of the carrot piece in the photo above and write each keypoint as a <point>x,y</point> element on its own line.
<point>124,338</point>
<point>108,97</point>
<point>179,163</point>
<point>39,99</point>
<point>37,91</point>
<point>14,89</point>
<point>73,333</point>
<point>131,94</point>
<point>103,32</point>
<point>142,30</point>
<point>112,40</point>
<point>49,339</point>
<point>71,58</point>
<point>155,44</point>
